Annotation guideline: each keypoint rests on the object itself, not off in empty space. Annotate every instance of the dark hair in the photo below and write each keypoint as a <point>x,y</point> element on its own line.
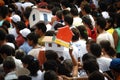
<point>59,14</point>
<point>83,32</point>
<point>65,3</point>
<point>87,8</point>
<point>74,11</point>
<point>65,12</point>
<point>88,56</point>
<point>117,19</point>
<point>24,77</point>
<point>9,63</point>
<point>101,22</point>
<point>50,33</point>
<point>96,75</point>
<point>58,25</point>
<point>20,25</point>
<point>6,49</point>
<point>95,49</point>
<point>6,24</point>
<point>2,35</point>
<point>3,11</point>
<point>102,5</point>
<point>50,75</point>
<point>111,22</point>
<point>55,10</point>
<point>68,19</point>
<point>90,41</point>
<point>76,35</point>
<point>50,65</point>
<point>32,36</point>
<point>41,26</point>
<point>51,55</point>
<point>19,53</point>
<point>105,44</point>
<point>90,65</point>
<point>33,64</point>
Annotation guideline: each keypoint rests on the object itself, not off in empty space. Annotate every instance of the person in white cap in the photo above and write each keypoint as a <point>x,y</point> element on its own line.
<point>25,46</point>
<point>15,18</point>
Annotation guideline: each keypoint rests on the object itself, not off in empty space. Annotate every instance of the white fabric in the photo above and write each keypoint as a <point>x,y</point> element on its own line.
<point>77,21</point>
<point>105,14</point>
<point>27,4</point>
<point>106,36</point>
<point>13,31</point>
<point>25,32</point>
<point>11,44</point>
<point>11,75</point>
<point>104,63</point>
<point>34,52</point>
<point>19,5</point>
<point>16,18</point>
<point>38,77</point>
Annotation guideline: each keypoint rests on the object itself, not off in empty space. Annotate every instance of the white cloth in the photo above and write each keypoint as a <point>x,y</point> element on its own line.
<point>13,31</point>
<point>11,75</point>
<point>27,4</point>
<point>34,52</point>
<point>106,36</point>
<point>77,21</point>
<point>38,77</point>
<point>19,5</point>
<point>104,63</point>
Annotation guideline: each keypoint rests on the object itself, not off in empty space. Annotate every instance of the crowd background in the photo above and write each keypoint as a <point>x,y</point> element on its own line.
<point>95,46</point>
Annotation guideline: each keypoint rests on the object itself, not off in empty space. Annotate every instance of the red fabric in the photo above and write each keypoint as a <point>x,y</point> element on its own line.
<point>19,40</point>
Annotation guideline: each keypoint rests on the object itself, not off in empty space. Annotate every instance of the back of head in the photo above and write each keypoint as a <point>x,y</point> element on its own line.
<point>2,35</point>
<point>83,32</point>
<point>96,75</point>
<point>41,26</point>
<point>95,49</point>
<point>24,77</point>
<point>68,19</point>
<point>50,75</point>
<point>90,66</point>
<point>76,35</point>
<point>51,55</point>
<point>6,49</point>
<point>100,21</point>
<point>87,8</point>
<point>88,56</point>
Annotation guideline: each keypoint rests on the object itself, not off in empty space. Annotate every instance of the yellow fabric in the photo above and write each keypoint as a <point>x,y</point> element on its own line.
<point>111,30</point>
<point>40,41</point>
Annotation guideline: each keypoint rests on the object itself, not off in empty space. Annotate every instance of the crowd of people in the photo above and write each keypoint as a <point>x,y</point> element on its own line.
<point>94,52</point>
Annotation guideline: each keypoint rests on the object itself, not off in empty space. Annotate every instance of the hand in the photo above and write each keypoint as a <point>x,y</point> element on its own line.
<point>70,50</point>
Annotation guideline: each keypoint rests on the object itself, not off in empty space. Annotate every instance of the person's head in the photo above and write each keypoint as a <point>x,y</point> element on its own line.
<point>59,15</point>
<point>83,32</point>
<point>50,75</point>
<point>115,66</point>
<point>90,66</point>
<point>4,11</point>
<point>6,50</point>
<point>58,25</point>
<point>103,6</point>
<point>19,26</point>
<point>109,23</point>
<point>64,3</point>
<point>31,64</point>
<point>55,10</point>
<point>87,21</point>
<point>14,19</point>
<point>2,37</point>
<point>76,35</point>
<point>19,53</point>
<point>74,11</point>
<point>50,65</point>
<point>95,49</point>
<point>100,23</point>
<point>86,9</point>
<point>88,43</point>
<point>107,49</point>
<point>51,55</point>
<point>32,38</point>
<point>9,64</point>
<point>88,56</point>
<point>68,19</point>
<point>10,38</point>
<point>96,75</point>
<point>40,29</point>
<point>117,19</point>
<point>50,33</point>
<point>24,32</point>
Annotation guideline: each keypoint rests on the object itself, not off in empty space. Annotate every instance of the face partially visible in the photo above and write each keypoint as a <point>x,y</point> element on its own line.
<point>38,32</point>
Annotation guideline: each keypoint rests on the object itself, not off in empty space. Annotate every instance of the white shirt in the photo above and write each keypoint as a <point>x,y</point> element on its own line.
<point>77,21</point>
<point>106,36</point>
<point>38,77</point>
<point>27,4</point>
<point>11,75</point>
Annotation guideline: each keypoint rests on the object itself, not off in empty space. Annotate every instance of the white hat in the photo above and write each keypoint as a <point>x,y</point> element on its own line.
<point>24,32</point>
<point>15,18</point>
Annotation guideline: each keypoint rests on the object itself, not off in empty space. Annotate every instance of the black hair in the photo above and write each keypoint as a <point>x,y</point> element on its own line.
<point>41,26</point>
<point>51,55</point>
<point>83,32</point>
<point>65,3</point>
<point>20,25</point>
<point>32,36</point>
<point>6,24</point>
<point>54,10</point>
<point>90,41</point>
<point>50,65</point>
<point>50,75</point>
<point>27,12</point>
<point>65,12</point>
<point>74,11</point>
<point>33,64</point>
<point>96,75</point>
<point>68,19</point>
<point>90,66</point>
<point>59,14</point>
<point>105,44</point>
<point>76,35</point>
<point>117,19</point>
<point>2,35</point>
<point>88,56</point>
<point>6,49</point>
<point>19,53</point>
<point>3,11</point>
<point>24,77</point>
<point>101,22</point>
<point>58,25</point>
<point>111,22</point>
<point>87,8</point>
<point>95,49</point>
<point>103,5</point>
<point>50,33</point>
